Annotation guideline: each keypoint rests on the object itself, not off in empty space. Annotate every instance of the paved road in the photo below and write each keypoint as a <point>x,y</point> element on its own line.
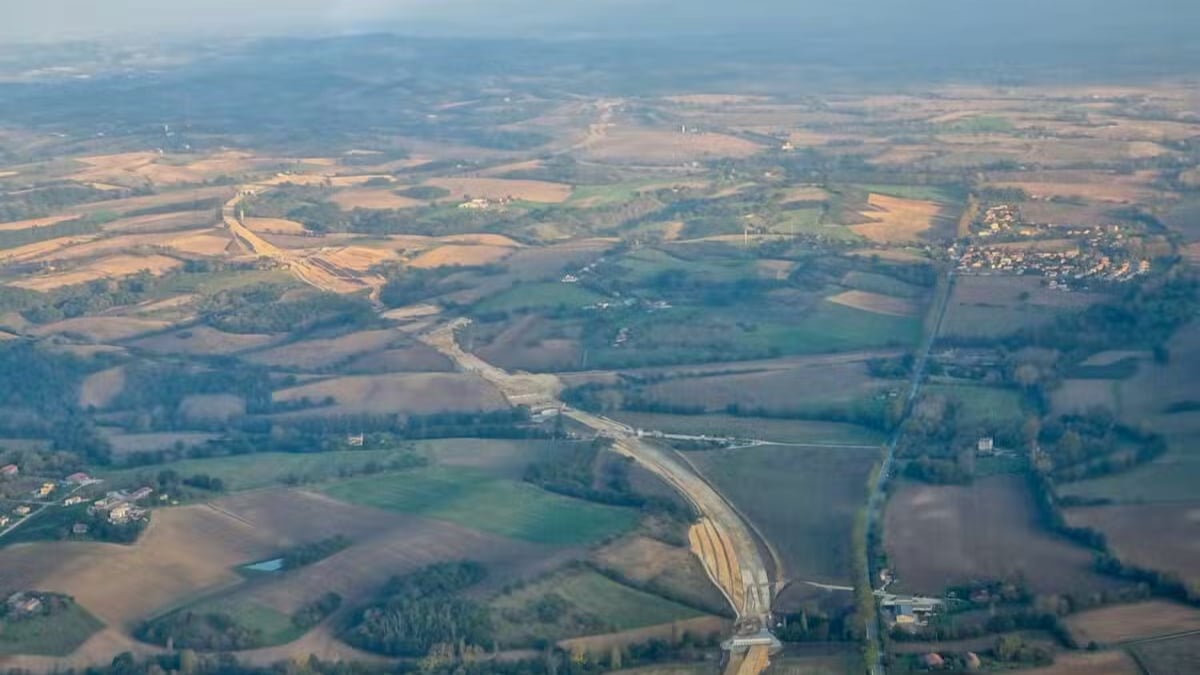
<point>751,593</point>
<point>875,501</point>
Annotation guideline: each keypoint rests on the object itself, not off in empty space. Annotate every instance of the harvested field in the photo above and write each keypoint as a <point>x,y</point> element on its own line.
<point>162,222</point>
<point>326,353</point>
<point>1103,189</point>
<point>777,430</point>
<point>482,501</point>
<point>1137,621</point>
<point>405,394</point>
<point>874,302</point>
<point>895,219</point>
<point>101,328</point>
<point>104,268</point>
<point>99,389</point>
<point>671,569</point>
<point>1163,537</point>
<point>372,198</point>
<point>274,226</point>
<point>185,197</point>
<point>418,358</point>
<point>647,146</point>
<point>215,242</point>
<point>704,626</point>
<point>992,306</point>
<point>988,530</point>
<point>501,188</point>
<point>802,498</point>
<point>465,256</point>
<point>202,340</point>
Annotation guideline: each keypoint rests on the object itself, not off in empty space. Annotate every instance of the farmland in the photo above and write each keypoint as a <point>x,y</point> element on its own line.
<point>56,635</point>
<point>479,500</point>
<point>1010,544</point>
<point>1128,623</point>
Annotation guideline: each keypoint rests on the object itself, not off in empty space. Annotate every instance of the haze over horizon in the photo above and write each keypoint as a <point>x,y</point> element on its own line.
<point>1015,22</point>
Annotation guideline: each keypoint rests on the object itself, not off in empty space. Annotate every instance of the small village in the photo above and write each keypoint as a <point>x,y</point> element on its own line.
<point>116,507</point>
<point>1090,254</point>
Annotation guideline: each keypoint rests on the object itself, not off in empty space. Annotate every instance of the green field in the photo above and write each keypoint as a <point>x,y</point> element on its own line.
<point>977,404</point>
<point>249,472</point>
<point>802,498</point>
<point>274,627</point>
<point>831,327</point>
<point>525,297</point>
<point>642,265</point>
<point>1170,478</point>
<point>882,284</point>
<point>56,635</point>
<point>479,500</point>
<point>595,604</point>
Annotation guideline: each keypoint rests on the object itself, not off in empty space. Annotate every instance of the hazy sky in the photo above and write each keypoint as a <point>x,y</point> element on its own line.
<point>39,20</point>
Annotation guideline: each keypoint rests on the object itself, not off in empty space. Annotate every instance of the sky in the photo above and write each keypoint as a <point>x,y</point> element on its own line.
<point>50,20</point>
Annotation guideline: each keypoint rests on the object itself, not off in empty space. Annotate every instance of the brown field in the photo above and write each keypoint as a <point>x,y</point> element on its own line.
<point>125,242</point>
<point>137,168</point>
<point>36,250</point>
<point>417,358</point>
<point>1096,663</point>
<point>101,328</point>
<point>351,181</point>
<point>121,206</point>
<point>372,198</point>
<point>202,340</point>
<point>357,258</point>
<point>501,188</point>
<point>212,406</point>
<point>895,219</point>
<point>103,268</point>
<point>603,644</point>
<point>1162,537</point>
<point>1180,656</point>
<point>277,225</point>
<point>411,394</point>
<point>215,242</point>
<point>1140,620</point>
<point>34,222</point>
<point>1092,185</point>
<point>317,354</point>
<point>466,256</point>
<point>99,389</point>
<point>992,305</point>
<point>649,146</point>
<point>874,302</point>
<point>985,531</point>
<point>184,551</point>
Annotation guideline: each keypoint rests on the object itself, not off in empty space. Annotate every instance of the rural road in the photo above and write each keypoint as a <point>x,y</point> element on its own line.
<point>876,499</point>
<point>725,543</point>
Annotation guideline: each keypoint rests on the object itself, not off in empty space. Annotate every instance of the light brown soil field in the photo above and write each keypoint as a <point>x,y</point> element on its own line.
<point>33,251</point>
<point>275,225</point>
<point>874,302</point>
<point>317,354</point>
<point>805,193</point>
<point>466,256</point>
<point>483,239</point>
<point>103,268</point>
<point>405,394</point>
<point>212,243</point>
<point>1180,656</point>
<point>163,222</point>
<point>984,531</point>
<point>1097,663</point>
<point>101,328</point>
<point>1101,188</point>
<point>148,167</point>
<point>501,170</point>
<point>1164,537</point>
<point>212,406</point>
<point>34,222</point>
<point>897,219</point>
<point>351,181</point>
<point>372,198</point>
<point>121,206</point>
<point>202,340</point>
<point>357,258</point>
<point>124,242</point>
<point>650,146</point>
<point>1121,623</point>
<point>502,188</point>
<point>184,551</point>
<point>99,389</point>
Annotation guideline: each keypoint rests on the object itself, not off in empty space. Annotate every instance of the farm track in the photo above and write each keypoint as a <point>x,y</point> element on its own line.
<point>726,544</point>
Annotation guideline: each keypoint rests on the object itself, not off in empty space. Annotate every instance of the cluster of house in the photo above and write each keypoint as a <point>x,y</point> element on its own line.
<point>909,610</point>
<point>121,506</point>
<point>484,203</point>
<point>1001,219</point>
<point>1062,268</point>
<point>22,603</point>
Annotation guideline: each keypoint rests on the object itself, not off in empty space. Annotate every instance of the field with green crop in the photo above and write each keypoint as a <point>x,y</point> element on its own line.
<point>525,297</point>
<point>55,635</point>
<point>976,404</point>
<point>480,500</point>
<point>588,604</point>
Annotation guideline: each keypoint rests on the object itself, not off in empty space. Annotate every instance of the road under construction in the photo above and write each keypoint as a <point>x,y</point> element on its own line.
<point>728,546</point>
